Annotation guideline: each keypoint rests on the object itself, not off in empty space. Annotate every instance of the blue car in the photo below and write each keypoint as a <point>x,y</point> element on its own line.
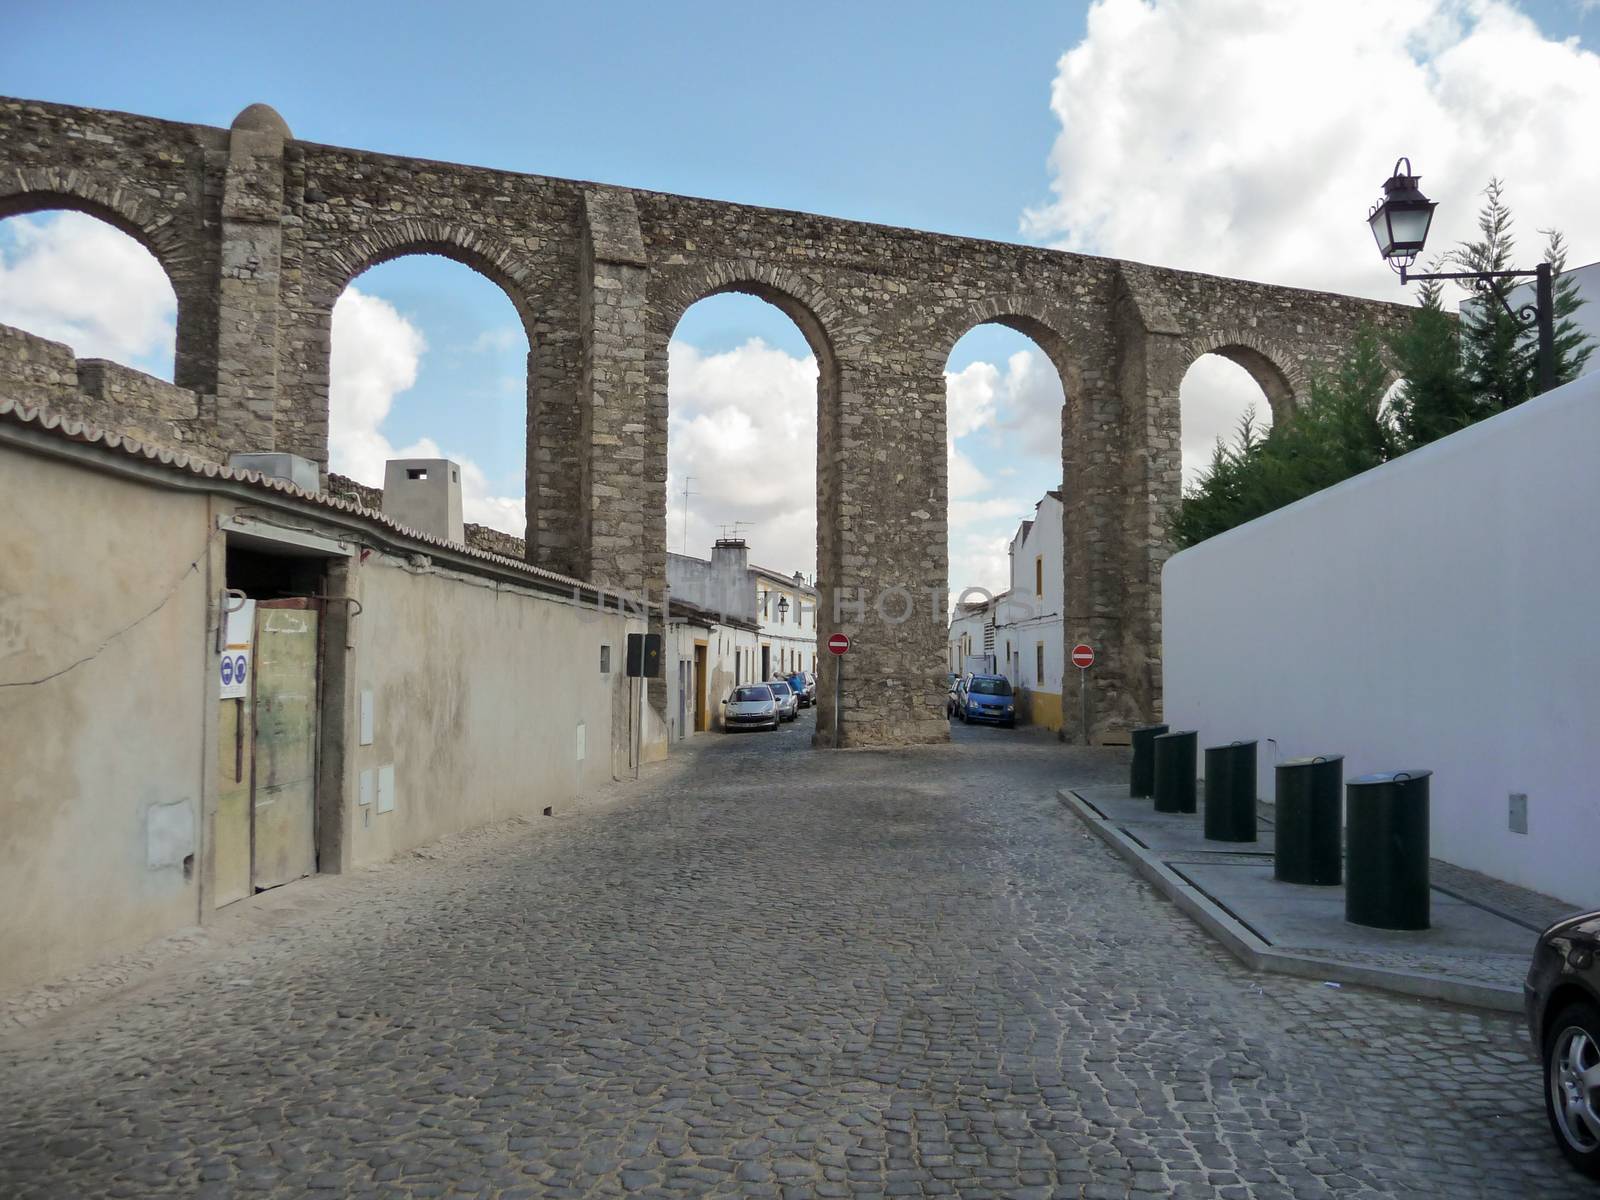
<point>986,698</point>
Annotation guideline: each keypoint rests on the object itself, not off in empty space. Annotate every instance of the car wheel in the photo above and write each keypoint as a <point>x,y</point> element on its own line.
<point>1572,1084</point>
<point>1011,724</point>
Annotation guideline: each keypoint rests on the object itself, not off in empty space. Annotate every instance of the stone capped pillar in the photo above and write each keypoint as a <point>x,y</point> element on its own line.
<point>251,273</point>
<point>623,482</point>
<point>1151,364</point>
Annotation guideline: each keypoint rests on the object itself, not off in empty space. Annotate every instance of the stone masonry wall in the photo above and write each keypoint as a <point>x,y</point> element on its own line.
<point>44,374</point>
<point>261,233</point>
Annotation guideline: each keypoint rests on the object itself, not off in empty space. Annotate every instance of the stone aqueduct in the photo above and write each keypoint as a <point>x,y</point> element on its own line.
<point>259,234</point>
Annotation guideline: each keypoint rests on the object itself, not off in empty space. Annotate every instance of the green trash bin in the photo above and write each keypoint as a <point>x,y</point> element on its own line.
<point>1387,827</point>
<point>1231,792</point>
<point>1306,820</point>
<point>1174,771</point>
<point>1142,772</point>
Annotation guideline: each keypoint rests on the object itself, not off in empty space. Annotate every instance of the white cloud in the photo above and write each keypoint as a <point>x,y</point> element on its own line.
<point>376,355</point>
<point>506,337</point>
<point>743,425</point>
<point>1249,137</point>
<point>73,279</point>
<point>1214,395</point>
<point>1012,413</point>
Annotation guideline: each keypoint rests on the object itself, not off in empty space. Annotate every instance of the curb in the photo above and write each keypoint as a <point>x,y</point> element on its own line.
<point>1244,944</point>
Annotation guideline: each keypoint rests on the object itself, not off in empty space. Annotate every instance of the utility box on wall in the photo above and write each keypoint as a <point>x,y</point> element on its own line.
<point>424,494</point>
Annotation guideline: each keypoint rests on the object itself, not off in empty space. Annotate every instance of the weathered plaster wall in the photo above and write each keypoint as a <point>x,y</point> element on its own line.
<point>479,689</point>
<point>104,674</point>
<point>261,233</point>
<point>108,686</point>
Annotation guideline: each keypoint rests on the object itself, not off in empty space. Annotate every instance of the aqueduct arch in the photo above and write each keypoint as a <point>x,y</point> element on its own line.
<point>260,232</point>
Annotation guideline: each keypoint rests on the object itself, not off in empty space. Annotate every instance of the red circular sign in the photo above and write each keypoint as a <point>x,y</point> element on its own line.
<point>838,643</point>
<point>1082,656</point>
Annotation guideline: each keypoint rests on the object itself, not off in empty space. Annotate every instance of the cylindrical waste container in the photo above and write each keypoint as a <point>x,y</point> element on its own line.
<point>1174,770</point>
<point>1142,773</point>
<point>1387,829</point>
<point>1306,822</point>
<point>1231,792</point>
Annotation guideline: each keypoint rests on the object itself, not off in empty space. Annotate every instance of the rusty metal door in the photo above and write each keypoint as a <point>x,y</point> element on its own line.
<point>285,687</point>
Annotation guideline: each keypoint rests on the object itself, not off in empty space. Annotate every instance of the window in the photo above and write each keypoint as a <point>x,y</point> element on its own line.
<point>1038,661</point>
<point>1038,575</point>
<point>605,660</point>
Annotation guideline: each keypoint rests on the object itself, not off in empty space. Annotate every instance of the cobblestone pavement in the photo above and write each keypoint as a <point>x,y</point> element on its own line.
<point>767,971</point>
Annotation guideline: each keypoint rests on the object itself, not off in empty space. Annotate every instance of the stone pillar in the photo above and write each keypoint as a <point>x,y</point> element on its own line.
<point>1151,365</point>
<point>623,408</point>
<point>248,287</point>
<point>555,465</point>
<point>881,527</point>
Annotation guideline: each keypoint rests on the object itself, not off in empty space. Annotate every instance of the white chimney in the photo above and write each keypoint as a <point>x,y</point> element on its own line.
<point>424,494</point>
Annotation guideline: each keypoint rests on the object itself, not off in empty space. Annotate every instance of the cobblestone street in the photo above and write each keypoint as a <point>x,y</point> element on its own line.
<point>767,971</point>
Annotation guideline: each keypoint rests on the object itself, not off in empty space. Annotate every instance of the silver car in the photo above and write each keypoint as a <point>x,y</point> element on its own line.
<point>788,699</point>
<point>750,706</point>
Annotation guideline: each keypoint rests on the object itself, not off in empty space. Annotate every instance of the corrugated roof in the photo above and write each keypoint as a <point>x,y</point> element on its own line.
<point>114,444</point>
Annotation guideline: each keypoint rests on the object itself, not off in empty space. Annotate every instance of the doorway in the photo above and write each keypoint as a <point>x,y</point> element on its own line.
<point>700,683</point>
<point>766,662</point>
<point>265,831</point>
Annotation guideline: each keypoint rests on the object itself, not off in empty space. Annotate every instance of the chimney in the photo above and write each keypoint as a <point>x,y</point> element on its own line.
<point>731,581</point>
<point>424,494</point>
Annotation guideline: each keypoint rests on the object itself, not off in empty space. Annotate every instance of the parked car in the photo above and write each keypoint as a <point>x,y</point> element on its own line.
<point>806,691</point>
<point>788,701</point>
<point>750,706</point>
<point>1562,998</point>
<point>986,698</point>
<point>952,681</point>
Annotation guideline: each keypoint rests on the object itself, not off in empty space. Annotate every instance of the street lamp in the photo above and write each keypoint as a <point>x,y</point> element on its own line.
<point>1399,224</point>
<point>783,608</point>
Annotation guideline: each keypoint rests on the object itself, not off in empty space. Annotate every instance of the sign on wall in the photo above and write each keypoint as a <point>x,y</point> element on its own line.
<point>234,667</point>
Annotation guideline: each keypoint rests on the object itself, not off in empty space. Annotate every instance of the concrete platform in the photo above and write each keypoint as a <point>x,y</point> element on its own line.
<point>1475,953</point>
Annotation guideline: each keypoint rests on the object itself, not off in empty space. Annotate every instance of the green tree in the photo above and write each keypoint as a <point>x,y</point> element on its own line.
<point>1340,430</point>
<point>1453,372</point>
<point>1434,398</point>
<point>1500,355</point>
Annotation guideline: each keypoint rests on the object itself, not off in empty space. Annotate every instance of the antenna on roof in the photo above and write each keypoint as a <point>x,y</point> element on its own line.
<point>730,532</point>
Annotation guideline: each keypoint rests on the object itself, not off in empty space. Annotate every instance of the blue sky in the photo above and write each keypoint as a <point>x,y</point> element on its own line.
<point>1145,141</point>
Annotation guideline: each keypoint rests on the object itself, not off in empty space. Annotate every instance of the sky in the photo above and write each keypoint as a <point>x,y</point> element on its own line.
<point>1240,137</point>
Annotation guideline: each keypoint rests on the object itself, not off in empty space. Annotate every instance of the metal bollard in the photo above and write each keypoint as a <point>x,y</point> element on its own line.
<point>1231,792</point>
<point>1142,773</point>
<point>1174,771</point>
<point>1387,817</point>
<point>1306,831</point>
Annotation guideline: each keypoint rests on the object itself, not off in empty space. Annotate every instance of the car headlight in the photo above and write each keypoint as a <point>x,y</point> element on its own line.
<point>1008,708</point>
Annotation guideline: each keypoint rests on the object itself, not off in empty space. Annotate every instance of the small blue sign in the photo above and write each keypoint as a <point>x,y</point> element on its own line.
<point>227,669</point>
<point>238,668</point>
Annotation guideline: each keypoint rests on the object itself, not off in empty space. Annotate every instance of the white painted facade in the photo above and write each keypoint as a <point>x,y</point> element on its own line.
<point>1024,626</point>
<point>1436,612</point>
<point>786,608</point>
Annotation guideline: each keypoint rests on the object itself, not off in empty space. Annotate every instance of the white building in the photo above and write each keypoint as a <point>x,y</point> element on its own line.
<point>732,624</point>
<point>787,610</point>
<point>1024,627</point>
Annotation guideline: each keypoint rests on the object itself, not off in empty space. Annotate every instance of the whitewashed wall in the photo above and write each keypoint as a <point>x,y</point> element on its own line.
<point>1442,611</point>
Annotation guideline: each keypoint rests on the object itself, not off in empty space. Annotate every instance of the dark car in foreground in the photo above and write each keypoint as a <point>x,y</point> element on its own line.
<point>1562,997</point>
<point>986,698</point>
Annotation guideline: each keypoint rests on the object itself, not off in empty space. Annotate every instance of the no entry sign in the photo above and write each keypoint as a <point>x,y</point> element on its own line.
<point>838,643</point>
<point>1082,656</point>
